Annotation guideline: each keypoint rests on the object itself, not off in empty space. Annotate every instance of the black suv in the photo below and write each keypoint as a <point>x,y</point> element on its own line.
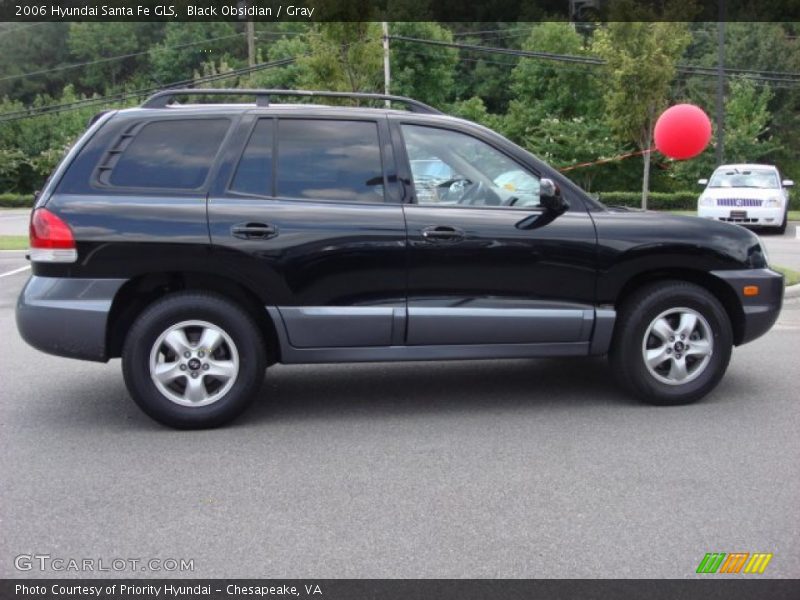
<point>203,242</point>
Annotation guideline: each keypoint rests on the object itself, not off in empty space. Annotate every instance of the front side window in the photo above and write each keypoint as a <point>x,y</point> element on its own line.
<point>329,160</point>
<point>452,168</point>
<point>172,154</point>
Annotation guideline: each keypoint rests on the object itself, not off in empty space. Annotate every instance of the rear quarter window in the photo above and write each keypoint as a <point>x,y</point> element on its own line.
<point>170,154</point>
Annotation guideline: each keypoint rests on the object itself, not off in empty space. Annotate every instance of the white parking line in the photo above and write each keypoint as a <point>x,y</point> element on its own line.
<point>15,271</point>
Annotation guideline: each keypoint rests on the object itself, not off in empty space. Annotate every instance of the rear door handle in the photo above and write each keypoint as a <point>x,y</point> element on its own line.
<point>442,233</point>
<point>253,231</point>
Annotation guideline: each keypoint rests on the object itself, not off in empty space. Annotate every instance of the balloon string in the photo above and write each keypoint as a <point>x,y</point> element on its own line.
<point>605,160</point>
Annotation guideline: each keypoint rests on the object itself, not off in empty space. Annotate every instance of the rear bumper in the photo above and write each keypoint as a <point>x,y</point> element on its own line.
<point>67,317</point>
<point>761,311</point>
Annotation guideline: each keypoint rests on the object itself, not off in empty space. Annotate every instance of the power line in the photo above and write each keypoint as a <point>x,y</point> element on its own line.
<point>590,60</point>
<point>583,69</point>
<point>118,57</point>
<point>123,96</point>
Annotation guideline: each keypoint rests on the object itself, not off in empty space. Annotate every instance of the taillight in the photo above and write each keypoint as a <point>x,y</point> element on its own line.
<point>51,238</point>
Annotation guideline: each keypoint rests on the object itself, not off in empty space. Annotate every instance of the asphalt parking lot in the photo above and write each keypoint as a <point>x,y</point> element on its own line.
<point>512,468</point>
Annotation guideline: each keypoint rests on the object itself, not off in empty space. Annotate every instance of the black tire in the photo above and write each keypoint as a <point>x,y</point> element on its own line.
<point>627,355</point>
<point>782,228</point>
<point>224,315</point>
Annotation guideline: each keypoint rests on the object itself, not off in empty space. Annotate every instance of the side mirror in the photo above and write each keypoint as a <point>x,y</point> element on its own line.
<point>550,197</point>
<point>702,182</point>
<point>787,183</point>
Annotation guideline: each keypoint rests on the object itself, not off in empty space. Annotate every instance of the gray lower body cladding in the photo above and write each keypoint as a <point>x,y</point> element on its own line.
<point>69,317</point>
<point>345,334</point>
<point>65,316</point>
<point>762,309</point>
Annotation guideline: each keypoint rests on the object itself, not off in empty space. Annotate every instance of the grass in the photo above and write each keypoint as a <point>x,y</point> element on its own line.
<point>13,242</point>
<point>790,276</point>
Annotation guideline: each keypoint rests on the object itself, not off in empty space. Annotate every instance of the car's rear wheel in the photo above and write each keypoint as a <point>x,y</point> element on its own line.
<point>193,360</point>
<point>672,343</point>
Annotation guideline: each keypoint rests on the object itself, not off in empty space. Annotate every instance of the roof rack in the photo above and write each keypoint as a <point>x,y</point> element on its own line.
<point>163,98</point>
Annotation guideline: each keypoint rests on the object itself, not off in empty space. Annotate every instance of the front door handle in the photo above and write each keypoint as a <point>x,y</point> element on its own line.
<point>253,231</point>
<point>442,233</point>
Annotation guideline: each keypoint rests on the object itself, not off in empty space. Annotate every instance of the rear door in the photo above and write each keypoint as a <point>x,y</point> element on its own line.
<point>303,209</point>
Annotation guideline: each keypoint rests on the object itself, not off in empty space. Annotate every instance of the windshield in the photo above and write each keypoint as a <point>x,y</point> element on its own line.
<point>745,178</point>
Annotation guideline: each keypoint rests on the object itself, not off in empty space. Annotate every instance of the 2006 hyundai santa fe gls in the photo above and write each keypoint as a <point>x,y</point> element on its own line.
<point>203,242</point>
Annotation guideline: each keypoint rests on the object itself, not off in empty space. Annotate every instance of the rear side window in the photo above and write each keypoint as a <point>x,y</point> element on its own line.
<point>174,154</point>
<point>254,173</point>
<point>329,160</point>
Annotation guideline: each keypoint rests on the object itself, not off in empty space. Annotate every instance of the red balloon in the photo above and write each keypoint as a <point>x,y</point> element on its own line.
<point>682,131</point>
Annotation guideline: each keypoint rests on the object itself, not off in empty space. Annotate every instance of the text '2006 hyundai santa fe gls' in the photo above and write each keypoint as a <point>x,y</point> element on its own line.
<point>204,242</point>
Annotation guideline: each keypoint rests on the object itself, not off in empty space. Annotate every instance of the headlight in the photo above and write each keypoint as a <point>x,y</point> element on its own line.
<point>706,201</point>
<point>773,202</point>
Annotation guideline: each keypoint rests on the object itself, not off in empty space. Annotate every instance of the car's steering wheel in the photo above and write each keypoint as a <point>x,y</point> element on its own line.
<point>471,195</point>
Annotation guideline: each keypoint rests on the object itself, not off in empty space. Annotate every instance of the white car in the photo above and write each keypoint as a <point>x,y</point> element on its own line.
<point>747,194</point>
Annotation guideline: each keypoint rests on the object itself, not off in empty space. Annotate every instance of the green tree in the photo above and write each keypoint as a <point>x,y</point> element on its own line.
<point>761,47</point>
<point>345,57</point>
<point>557,109</point>
<point>544,88</point>
<point>97,42</point>
<point>175,60</point>
<point>31,147</point>
<point>640,66</point>
<point>288,76</point>
<point>25,49</point>
<point>573,141</point>
<point>426,73</point>
<point>748,132</point>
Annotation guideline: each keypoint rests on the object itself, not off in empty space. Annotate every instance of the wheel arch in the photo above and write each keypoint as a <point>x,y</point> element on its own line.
<point>139,292</point>
<point>718,288</point>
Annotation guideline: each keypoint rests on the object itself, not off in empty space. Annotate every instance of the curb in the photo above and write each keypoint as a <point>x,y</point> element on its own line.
<point>793,291</point>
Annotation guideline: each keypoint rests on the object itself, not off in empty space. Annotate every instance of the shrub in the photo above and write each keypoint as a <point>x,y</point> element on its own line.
<point>12,200</point>
<point>686,200</point>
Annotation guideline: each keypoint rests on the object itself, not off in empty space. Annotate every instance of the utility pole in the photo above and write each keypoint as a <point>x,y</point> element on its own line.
<point>721,84</point>
<point>387,73</point>
<point>250,30</point>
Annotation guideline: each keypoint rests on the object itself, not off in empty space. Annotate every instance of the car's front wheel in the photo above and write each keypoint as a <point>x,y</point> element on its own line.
<point>672,343</point>
<point>782,228</point>
<point>193,360</point>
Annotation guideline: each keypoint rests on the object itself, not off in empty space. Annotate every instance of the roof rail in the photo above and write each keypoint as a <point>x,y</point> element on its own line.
<point>163,98</point>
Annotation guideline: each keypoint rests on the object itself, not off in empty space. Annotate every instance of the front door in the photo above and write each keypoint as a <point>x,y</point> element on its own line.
<point>487,264</point>
<point>304,213</point>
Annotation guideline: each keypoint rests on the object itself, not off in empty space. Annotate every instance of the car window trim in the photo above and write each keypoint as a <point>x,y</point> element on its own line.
<point>95,182</point>
<point>414,202</point>
<point>237,160</point>
<point>387,198</point>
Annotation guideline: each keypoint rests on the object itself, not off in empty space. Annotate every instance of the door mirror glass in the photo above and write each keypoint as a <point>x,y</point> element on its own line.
<point>787,183</point>
<point>702,182</point>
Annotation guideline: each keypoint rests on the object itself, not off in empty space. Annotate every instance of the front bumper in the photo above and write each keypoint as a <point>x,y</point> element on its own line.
<point>755,216</point>
<point>761,311</point>
<point>67,317</point>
